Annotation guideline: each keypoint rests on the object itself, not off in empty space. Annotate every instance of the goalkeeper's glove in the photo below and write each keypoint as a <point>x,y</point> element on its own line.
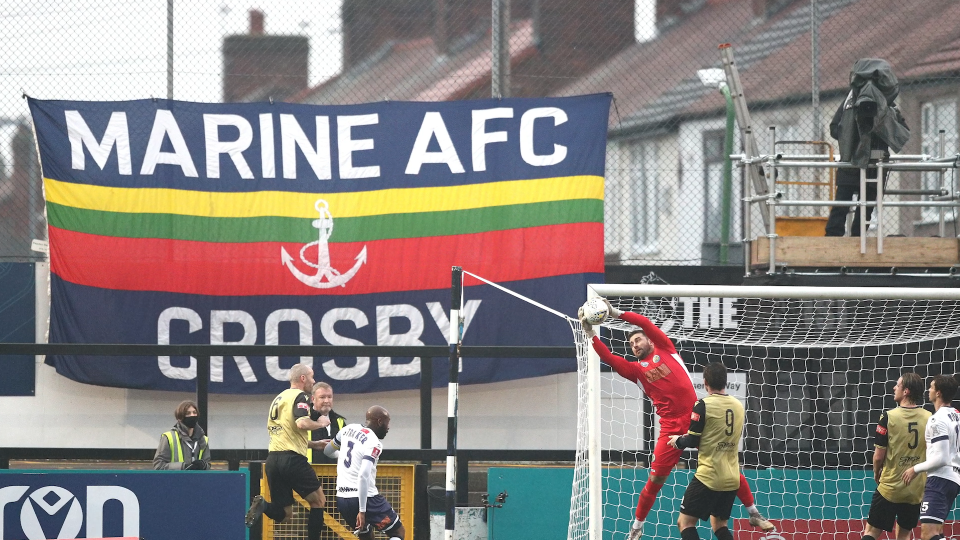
<point>611,311</point>
<point>588,328</point>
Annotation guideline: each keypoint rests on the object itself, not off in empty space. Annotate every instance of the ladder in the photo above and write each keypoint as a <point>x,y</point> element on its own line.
<point>753,169</point>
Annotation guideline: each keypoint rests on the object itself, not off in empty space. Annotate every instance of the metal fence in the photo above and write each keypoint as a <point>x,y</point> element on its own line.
<point>664,201</point>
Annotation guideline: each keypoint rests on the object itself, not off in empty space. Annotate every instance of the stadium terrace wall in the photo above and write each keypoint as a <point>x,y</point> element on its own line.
<point>795,500</point>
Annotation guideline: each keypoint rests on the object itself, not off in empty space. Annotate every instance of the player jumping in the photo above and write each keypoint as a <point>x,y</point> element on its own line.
<point>662,375</point>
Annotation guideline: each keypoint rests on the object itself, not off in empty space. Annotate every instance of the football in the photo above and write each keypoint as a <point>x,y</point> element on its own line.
<point>595,310</point>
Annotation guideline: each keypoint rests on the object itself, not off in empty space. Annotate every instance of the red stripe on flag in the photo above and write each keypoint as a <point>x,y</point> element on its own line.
<point>252,269</point>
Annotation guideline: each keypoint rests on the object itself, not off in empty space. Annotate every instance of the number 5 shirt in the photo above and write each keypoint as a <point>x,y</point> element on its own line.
<point>356,444</point>
<point>899,432</point>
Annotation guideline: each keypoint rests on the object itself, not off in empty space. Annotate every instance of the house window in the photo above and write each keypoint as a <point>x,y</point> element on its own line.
<point>713,159</point>
<point>644,198</point>
<point>937,115</point>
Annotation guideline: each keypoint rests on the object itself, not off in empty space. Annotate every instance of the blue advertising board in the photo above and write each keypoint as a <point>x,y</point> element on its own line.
<point>184,505</point>
<point>17,326</point>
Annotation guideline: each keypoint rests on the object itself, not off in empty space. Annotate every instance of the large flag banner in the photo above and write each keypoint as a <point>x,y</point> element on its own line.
<point>275,223</point>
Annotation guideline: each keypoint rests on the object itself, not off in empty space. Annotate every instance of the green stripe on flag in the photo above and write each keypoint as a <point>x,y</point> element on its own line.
<point>358,229</point>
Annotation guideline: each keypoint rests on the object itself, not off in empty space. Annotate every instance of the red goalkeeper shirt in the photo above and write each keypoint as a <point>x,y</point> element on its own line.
<point>662,375</point>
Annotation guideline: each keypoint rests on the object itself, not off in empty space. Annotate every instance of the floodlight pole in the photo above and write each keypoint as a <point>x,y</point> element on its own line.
<point>500,49</point>
<point>170,50</point>
<point>710,78</point>
<point>727,177</point>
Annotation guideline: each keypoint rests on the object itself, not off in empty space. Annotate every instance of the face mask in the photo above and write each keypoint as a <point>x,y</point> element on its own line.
<point>190,421</point>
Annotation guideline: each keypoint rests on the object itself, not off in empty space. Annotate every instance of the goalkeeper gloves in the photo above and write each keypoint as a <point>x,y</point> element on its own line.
<point>588,328</point>
<point>611,311</point>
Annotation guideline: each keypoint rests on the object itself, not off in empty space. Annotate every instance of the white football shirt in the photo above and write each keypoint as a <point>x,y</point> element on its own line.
<point>356,443</point>
<point>944,425</point>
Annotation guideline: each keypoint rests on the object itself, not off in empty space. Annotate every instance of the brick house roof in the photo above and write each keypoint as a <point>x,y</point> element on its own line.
<point>661,84</point>
<point>414,71</point>
<point>916,42</point>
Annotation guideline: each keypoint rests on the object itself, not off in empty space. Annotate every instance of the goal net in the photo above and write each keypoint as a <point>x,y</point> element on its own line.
<point>814,368</point>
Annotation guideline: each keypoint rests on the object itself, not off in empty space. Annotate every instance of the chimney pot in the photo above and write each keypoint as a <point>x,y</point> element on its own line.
<point>256,22</point>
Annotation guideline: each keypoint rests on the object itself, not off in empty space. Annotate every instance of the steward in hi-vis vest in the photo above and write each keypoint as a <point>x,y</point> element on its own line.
<point>186,446</point>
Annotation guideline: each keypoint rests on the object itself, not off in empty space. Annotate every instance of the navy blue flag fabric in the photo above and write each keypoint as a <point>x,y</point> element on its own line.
<point>258,223</point>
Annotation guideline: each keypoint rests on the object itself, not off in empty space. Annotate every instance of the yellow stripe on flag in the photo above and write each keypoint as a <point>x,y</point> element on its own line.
<point>301,205</point>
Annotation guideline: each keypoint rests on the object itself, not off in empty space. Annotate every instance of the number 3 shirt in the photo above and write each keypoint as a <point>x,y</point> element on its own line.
<point>356,443</point>
<point>899,432</point>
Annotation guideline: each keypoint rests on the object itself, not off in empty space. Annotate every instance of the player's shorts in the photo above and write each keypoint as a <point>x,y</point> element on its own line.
<point>702,502</point>
<point>938,497</point>
<point>287,472</point>
<point>665,457</point>
<point>884,513</point>
<point>379,514</point>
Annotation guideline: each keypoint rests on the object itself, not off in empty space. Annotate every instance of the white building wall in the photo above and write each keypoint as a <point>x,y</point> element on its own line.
<point>537,413</point>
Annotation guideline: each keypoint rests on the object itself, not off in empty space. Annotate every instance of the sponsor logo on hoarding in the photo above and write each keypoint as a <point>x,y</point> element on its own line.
<point>50,500</point>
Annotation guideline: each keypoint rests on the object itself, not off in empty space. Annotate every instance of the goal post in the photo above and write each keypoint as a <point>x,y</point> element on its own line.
<point>813,367</point>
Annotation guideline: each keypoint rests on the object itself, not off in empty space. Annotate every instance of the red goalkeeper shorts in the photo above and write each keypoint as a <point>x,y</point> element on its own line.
<point>666,457</point>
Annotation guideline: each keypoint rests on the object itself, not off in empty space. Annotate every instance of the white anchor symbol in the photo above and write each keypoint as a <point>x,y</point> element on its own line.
<point>326,276</point>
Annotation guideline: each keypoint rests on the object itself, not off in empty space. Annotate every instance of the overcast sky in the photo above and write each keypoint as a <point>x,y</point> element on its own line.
<point>116,49</point>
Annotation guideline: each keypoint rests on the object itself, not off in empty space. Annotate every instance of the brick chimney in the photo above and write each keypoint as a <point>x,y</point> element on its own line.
<point>456,19</point>
<point>22,199</point>
<point>370,24</point>
<point>256,22</point>
<point>258,66</point>
<point>576,36</point>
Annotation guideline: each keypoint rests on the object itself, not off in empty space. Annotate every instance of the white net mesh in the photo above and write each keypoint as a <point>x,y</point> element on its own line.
<point>814,376</point>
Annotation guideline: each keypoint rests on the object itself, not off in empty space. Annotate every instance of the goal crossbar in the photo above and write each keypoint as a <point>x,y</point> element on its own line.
<point>799,293</point>
<point>866,326</point>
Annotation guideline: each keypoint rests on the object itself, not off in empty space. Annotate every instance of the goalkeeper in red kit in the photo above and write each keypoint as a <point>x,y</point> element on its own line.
<point>660,372</point>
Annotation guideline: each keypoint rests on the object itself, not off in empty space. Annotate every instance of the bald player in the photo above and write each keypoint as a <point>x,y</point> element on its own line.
<point>287,469</point>
<point>357,449</point>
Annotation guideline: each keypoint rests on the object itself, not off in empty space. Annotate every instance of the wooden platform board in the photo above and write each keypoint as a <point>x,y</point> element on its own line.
<point>831,252</point>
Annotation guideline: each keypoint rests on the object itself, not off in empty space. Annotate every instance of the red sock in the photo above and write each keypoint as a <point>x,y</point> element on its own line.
<point>744,493</point>
<point>647,497</point>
